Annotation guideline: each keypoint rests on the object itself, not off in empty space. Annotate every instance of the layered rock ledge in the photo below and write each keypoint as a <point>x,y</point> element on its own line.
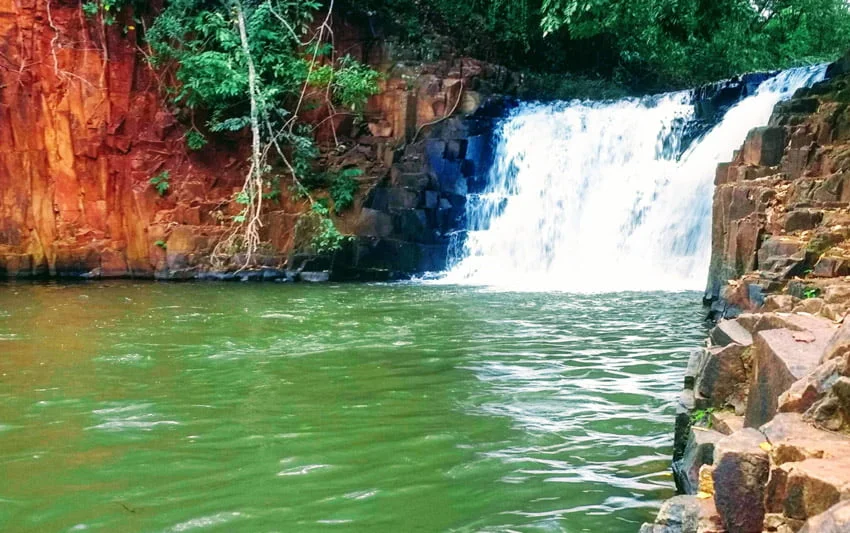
<point>762,441</point>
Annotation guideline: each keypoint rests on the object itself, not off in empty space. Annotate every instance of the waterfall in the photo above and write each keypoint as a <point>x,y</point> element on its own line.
<point>591,196</point>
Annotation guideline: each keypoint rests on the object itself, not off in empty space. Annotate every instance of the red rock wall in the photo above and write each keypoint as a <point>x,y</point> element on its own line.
<point>83,128</point>
<point>80,136</point>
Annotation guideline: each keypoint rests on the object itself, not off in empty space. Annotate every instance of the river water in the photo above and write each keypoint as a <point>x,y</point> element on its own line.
<point>381,408</point>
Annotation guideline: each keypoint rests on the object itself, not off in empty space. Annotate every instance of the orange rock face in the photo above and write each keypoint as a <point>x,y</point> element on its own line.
<point>84,127</point>
<point>82,131</point>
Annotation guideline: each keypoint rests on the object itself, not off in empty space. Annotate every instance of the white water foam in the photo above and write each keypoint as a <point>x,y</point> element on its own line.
<point>593,196</point>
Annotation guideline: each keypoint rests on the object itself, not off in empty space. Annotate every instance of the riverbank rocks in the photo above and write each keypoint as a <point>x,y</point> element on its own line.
<point>781,357</point>
<point>783,462</point>
<point>774,376</point>
<point>686,514</point>
<point>723,377</point>
<point>741,468</point>
<point>835,520</point>
<point>781,204</point>
<point>699,451</point>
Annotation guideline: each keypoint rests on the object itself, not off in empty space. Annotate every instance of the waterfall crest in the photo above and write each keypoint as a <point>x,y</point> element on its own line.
<point>603,196</point>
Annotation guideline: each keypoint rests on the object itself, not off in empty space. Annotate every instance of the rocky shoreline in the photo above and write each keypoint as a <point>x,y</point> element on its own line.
<point>762,439</point>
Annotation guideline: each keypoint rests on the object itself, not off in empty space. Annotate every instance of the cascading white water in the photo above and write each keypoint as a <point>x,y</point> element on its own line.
<point>597,196</point>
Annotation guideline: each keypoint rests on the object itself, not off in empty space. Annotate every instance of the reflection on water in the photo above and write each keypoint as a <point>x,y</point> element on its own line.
<point>145,407</point>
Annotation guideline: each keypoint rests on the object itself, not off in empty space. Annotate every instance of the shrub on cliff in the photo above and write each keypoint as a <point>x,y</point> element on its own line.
<point>257,65</point>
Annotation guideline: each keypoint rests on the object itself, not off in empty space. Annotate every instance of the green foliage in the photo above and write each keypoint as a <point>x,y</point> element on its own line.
<point>109,10</point>
<point>702,417</point>
<point>811,292</point>
<point>354,83</point>
<point>343,188</point>
<point>317,232</point>
<point>160,182</point>
<point>329,239</point>
<point>684,42</point>
<point>202,39</point>
<point>501,30</point>
<point>195,140</point>
<point>643,45</point>
<point>161,244</point>
<point>256,64</point>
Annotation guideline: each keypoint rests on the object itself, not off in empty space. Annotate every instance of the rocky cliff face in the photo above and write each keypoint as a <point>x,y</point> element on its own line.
<point>83,129</point>
<point>780,207</point>
<point>763,424</point>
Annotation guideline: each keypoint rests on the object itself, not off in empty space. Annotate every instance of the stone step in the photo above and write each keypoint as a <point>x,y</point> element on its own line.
<point>730,331</point>
<point>792,439</point>
<point>809,488</point>
<point>780,357</point>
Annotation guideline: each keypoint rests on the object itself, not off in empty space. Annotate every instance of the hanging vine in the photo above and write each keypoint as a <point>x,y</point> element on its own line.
<point>255,64</point>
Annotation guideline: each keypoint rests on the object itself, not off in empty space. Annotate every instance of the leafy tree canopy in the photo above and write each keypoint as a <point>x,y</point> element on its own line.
<point>642,44</point>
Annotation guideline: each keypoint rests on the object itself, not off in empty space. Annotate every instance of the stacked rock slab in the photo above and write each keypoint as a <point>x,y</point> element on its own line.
<point>774,375</point>
<point>754,456</point>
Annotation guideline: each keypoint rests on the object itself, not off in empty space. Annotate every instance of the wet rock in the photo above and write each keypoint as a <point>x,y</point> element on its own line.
<point>730,331</point>
<point>399,198</point>
<point>722,379</point>
<point>780,357</point>
<point>741,469</point>
<point>836,519</point>
<point>684,407</point>
<point>374,223</point>
<point>695,363</point>
<point>314,277</point>
<point>698,452</point>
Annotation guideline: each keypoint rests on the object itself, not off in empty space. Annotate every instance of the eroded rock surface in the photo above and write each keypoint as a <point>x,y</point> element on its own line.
<point>781,356</point>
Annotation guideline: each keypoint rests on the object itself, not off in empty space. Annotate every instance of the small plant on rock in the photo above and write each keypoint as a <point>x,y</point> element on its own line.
<point>343,189</point>
<point>702,417</point>
<point>160,182</point>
